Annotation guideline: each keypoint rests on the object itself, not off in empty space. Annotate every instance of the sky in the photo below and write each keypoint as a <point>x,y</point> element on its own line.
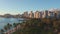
<point>20,6</point>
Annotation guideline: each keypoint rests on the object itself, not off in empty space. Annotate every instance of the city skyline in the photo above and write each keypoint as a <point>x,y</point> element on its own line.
<point>19,6</point>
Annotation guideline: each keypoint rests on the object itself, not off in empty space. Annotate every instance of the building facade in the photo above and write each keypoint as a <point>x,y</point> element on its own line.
<point>45,14</point>
<point>31,14</point>
<point>37,14</point>
<point>25,14</point>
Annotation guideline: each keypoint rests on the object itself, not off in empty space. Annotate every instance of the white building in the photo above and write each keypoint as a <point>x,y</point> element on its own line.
<point>51,14</point>
<point>37,14</point>
<point>31,14</point>
<point>45,14</point>
<point>25,14</point>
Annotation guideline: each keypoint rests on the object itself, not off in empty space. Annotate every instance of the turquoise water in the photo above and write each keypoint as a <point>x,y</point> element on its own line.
<point>4,21</point>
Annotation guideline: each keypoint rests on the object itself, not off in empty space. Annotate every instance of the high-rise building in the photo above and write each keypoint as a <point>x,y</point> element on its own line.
<point>57,14</point>
<point>37,14</point>
<point>31,14</point>
<point>45,14</point>
<point>51,14</point>
<point>41,14</point>
<point>25,14</point>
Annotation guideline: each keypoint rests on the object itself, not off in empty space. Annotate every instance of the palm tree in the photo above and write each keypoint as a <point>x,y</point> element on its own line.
<point>14,24</point>
<point>7,27</point>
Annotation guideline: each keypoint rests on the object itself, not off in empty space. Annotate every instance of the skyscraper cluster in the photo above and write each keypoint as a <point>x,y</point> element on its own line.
<point>43,14</point>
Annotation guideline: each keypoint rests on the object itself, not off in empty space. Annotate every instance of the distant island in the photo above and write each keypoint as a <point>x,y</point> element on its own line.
<point>10,16</point>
